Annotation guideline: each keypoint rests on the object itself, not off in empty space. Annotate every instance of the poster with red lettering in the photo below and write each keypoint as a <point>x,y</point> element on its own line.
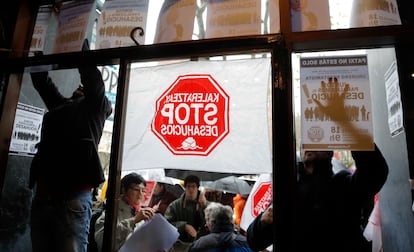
<point>212,116</point>
<point>335,103</point>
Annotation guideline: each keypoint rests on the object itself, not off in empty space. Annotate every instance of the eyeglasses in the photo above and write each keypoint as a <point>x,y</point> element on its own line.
<point>142,190</point>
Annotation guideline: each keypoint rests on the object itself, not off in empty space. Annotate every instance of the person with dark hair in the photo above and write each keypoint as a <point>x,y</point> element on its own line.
<point>161,198</point>
<point>330,205</point>
<point>193,179</point>
<point>225,198</point>
<point>187,212</point>
<point>66,166</point>
<point>130,213</point>
<point>219,220</point>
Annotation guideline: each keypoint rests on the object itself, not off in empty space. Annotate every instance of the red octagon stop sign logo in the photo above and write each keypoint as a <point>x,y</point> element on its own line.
<point>192,115</point>
<point>261,198</point>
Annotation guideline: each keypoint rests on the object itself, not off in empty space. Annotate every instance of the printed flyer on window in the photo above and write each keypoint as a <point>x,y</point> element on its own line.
<point>320,78</point>
<point>26,130</point>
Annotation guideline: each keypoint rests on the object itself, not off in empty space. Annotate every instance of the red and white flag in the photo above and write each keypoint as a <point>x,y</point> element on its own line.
<point>259,199</point>
<point>372,231</point>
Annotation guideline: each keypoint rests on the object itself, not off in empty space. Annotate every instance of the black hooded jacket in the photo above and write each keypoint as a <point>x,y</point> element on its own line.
<point>67,156</point>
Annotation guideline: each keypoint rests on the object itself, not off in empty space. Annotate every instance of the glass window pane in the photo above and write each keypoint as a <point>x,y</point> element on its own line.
<point>62,28</point>
<point>210,118</point>
<point>337,14</point>
<point>196,124</point>
<point>337,73</point>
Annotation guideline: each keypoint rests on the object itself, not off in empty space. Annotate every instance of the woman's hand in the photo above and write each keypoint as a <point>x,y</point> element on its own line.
<point>145,213</point>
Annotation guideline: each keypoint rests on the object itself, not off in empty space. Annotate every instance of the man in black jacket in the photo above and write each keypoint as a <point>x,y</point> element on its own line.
<point>329,205</point>
<point>66,166</point>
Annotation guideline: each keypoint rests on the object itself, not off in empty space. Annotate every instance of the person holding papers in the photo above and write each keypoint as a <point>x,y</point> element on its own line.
<point>130,213</point>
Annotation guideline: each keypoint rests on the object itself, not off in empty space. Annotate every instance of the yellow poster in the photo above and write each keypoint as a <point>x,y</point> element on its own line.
<point>176,21</point>
<point>274,13</point>
<point>310,15</point>
<point>73,23</point>
<point>40,29</point>
<point>374,13</point>
<point>227,18</point>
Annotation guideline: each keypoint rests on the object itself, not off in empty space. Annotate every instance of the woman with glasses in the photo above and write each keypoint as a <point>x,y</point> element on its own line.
<point>130,213</point>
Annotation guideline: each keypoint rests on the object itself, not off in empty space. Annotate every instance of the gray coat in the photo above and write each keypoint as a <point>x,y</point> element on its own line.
<point>124,226</point>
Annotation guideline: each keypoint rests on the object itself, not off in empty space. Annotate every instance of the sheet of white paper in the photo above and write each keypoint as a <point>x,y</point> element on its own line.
<point>156,235</point>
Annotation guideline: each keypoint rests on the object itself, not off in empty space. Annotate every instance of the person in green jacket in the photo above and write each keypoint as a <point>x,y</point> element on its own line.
<point>187,212</point>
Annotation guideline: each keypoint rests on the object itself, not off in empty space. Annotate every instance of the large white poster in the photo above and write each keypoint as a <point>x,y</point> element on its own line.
<point>318,130</point>
<point>118,19</point>
<point>206,115</point>
<point>233,18</point>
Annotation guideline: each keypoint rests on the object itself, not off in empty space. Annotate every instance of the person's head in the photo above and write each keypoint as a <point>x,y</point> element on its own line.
<point>218,215</point>
<point>78,92</point>
<point>159,188</point>
<point>133,188</point>
<point>317,162</point>
<point>191,184</point>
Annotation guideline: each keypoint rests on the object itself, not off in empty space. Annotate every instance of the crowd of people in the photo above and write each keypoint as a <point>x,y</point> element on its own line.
<point>329,209</point>
<point>203,225</point>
